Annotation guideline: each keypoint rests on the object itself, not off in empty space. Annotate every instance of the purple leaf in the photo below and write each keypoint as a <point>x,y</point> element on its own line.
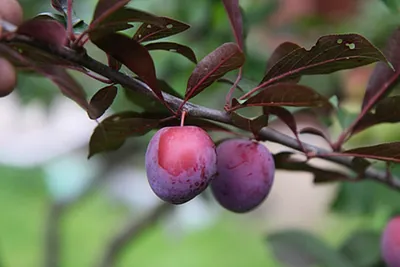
<point>386,111</point>
<point>113,131</point>
<point>386,152</point>
<point>331,53</point>
<point>102,100</point>
<point>283,161</point>
<point>113,63</point>
<point>315,131</point>
<point>279,53</point>
<point>105,8</point>
<point>252,125</point>
<point>68,86</point>
<point>174,47</point>
<point>47,31</point>
<point>284,94</point>
<point>119,20</point>
<point>285,116</point>
<point>133,55</point>
<point>225,58</point>
<point>384,78</point>
<point>149,32</point>
<point>235,17</point>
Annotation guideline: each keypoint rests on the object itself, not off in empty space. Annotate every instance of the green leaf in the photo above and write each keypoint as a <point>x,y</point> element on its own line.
<point>301,249</point>
<point>362,248</point>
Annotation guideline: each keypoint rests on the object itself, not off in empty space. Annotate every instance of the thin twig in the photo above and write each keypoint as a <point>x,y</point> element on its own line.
<point>131,232</point>
<point>194,110</point>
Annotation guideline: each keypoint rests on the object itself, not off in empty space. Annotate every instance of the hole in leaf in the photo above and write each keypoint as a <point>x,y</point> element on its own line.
<point>351,45</point>
<point>339,41</point>
<point>173,50</point>
<point>170,26</point>
<point>149,26</point>
<point>116,118</point>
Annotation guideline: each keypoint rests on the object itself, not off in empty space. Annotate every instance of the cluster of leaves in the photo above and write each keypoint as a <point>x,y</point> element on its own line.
<point>278,89</point>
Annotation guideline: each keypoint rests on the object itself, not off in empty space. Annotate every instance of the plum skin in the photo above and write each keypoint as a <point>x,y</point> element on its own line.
<point>180,163</point>
<point>390,243</point>
<point>246,171</point>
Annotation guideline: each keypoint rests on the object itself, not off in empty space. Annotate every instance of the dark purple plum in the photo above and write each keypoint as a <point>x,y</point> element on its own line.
<point>180,163</point>
<point>390,243</point>
<point>245,174</point>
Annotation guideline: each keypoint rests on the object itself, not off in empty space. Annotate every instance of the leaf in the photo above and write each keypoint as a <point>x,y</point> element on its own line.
<point>283,161</point>
<point>105,8</point>
<point>315,131</point>
<point>252,125</point>
<point>285,116</point>
<point>113,63</point>
<point>383,78</point>
<point>301,249</point>
<point>225,58</point>
<point>387,111</point>
<point>331,53</point>
<point>235,17</point>
<point>149,32</point>
<point>47,31</point>
<point>133,55</point>
<point>227,81</point>
<point>102,100</point>
<point>68,86</point>
<point>393,5</point>
<point>119,20</point>
<point>174,47</point>
<point>285,94</point>
<point>362,248</point>
<point>113,131</point>
<point>280,52</point>
<point>59,5</point>
<point>386,152</point>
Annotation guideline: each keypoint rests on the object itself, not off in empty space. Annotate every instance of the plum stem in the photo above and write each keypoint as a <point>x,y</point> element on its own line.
<point>183,118</point>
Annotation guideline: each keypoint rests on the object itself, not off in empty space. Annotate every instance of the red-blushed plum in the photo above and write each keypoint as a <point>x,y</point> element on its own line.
<point>390,243</point>
<point>180,163</point>
<point>8,77</point>
<point>245,174</point>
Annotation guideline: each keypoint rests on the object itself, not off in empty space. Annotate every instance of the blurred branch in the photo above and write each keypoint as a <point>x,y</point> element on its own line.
<point>131,232</point>
<point>196,110</point>
<point>52,235</point>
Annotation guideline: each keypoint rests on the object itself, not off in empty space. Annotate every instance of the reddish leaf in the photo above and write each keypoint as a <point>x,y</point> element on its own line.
<point>315,131</point>
<point>252,125</point>
<point>102,100</point>
<point>113,131</point>
<point>387,111</point>
<point>331,53</point>
<point>149,32</point>
<point>235,17</point>
<point>47,31</point>
<point>386,152</point>
<point>285,94</point>
<point>174,47</point>
<point>105,8</point>
<point>133,55</point>
<point>279,53</point>
<point>283,161</point>
<point>383,78</point>
<point>225,58</point>
<point>68,86</point>
<point>285,116</point>
<point>120,19</point>
<point>113,63</point>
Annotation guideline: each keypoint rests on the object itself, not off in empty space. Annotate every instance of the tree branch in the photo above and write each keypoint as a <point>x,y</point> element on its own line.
<point>131,232</point>
<point>52,235</point>
<point>194,110</point>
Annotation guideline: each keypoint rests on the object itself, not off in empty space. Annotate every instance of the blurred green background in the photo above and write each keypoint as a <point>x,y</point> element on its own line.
<point>87,194</point>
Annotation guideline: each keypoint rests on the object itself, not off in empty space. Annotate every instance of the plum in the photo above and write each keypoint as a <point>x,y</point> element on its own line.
<point>180,163</point>
<point>245,174</point>
<point>8,77</point>
<point>11,11</point>
<point>390,243</point>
